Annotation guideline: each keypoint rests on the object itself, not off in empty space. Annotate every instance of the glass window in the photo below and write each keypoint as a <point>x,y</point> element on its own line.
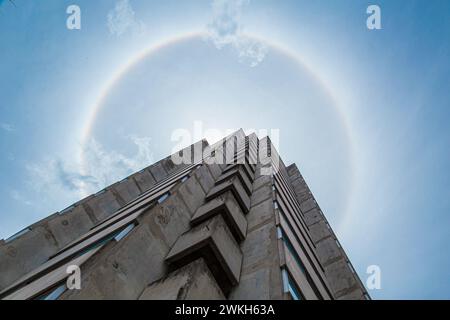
<point>17,235</point>
<point>123,180</point>
<point>66,210</point>
<point>279,233</point>
<point>117,235</point>
<point>275,204</point>
<point>94,245</point>
<point>292,251</point>
<point>124,232</point>
<point>163,197</point>
<point>298,261</point>
<point>100,192</point>
<point>290,286</point>
<point>184,178</point>
<point>351,267</point>
<point>294,291</point>
<point>53,293</point>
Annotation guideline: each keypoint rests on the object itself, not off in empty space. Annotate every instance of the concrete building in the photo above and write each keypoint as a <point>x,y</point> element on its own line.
<point>244,228</point>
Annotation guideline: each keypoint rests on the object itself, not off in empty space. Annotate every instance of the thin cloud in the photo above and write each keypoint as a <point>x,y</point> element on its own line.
<point>18,197</point>
<point>122,20</point>
<point>7,127</point>
<point>106,167</point>
<point>226,29</point>
<point>56,179</point>
<point>3,1</point>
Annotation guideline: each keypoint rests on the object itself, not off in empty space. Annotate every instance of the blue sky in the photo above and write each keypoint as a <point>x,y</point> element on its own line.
<point>363,113</point>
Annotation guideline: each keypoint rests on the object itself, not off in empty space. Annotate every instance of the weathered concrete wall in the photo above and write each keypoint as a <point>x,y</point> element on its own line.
<point>192,282</point>
<point>102,205</point>
<point>25,253</point>
<point>213,241</point>
<point>48,236</point>
<point>127,190</point>
<point>43,240</point>
<point>158,171</point>
<point>227,206</point>
<point>261,274</point>
<point>235,186</point>
<point>214,237</point>
<point>144,180</point>
<point>345,284</point>
<point>123,269</point>
<point>70,225</point>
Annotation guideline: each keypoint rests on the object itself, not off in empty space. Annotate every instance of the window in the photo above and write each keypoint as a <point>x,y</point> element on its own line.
<point>350,267</point>
<point>184,178</point>
<point>95,245</point>
<point>163,197</point>
<point>122,234</point>
<point>66,210</point>
<point>117,235</point>
<point>275,204</point>
<point>17,235</point>
<point>290,286</point>
<point>279,233</point>
<point>53,293</point>
<point>282,235</point>
<point>292,250</point>
<point>294,232</point>
<point>100,192</point>
<point>123,180</point>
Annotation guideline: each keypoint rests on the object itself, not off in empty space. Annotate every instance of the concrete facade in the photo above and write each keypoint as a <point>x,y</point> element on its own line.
<point>202,229</point>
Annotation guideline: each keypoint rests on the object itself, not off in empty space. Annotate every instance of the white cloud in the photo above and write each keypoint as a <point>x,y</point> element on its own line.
<point>7,127</point>
<point>102,167</point>
<point>18,197</point>
<point>122,19</point>
<point>226,29</point>
<point>63,181</point>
